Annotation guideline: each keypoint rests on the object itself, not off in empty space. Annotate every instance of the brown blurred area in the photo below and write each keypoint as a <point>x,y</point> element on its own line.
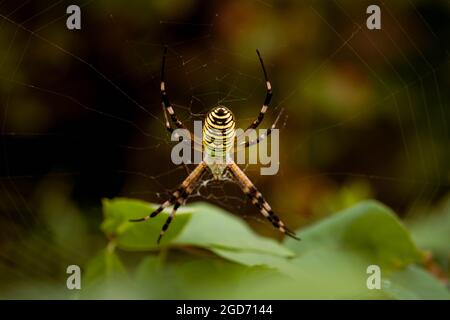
<point>81,118</point>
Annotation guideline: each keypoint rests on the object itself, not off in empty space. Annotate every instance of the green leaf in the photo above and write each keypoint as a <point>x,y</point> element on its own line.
<point>330,262</point>
<point>255,259</point>
<point>139,235</point>
<point>414,283</point>
<point>368,229</point>
<point>211,227</point>
<point>431,230</point>
<point>200,224</point>
<point>334,254</point>
<point>197,277</point>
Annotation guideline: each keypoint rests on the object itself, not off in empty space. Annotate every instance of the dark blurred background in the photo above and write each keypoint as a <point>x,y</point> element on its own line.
<point>81,118</point>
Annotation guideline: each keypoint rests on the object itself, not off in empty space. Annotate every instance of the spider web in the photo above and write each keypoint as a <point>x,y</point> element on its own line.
<point>202,70</point>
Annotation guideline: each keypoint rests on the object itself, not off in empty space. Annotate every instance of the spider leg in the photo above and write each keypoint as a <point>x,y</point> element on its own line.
<point>168,221</point>
<point>189,185</point>
<point>177,198</point>
<point>266,103</point>
<point>196,144</point>
<point>165,97</point>
<point>175,195</point>
<point>166,121</point>
<point>258,200</point>
<point>168,108</point>
<point>263,110</point>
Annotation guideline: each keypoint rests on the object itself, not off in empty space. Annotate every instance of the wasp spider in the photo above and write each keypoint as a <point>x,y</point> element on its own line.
<point>218,138</point>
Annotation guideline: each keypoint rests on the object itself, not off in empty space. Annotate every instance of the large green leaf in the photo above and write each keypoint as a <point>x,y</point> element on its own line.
<point>199,277</point>
<point>201,225</point>
<point>139,235</point>
<point>333,257</point>
<point>252,259</point>
<point>336,253</point>
<point>368,229</point>
<point>211,227</point>
<point>330,262</point>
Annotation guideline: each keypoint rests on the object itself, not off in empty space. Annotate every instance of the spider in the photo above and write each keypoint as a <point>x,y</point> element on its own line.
<point>218,135</point>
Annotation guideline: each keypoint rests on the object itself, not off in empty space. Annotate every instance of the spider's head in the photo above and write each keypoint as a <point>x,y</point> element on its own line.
<point>221,112</point>
<point>220,117</point>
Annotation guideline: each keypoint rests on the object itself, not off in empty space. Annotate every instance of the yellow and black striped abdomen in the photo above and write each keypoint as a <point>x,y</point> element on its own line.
<point>218,132</point>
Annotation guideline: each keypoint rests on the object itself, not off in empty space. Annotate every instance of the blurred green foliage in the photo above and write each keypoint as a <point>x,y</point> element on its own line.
<point>432,231</point>
<point>211,254</point>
